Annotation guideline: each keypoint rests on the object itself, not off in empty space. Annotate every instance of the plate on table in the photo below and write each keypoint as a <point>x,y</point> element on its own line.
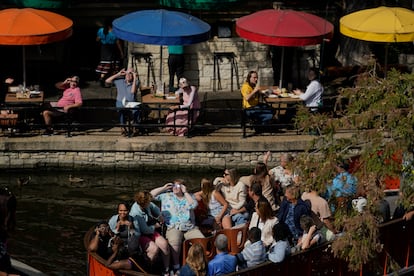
<point>34,92</point>
<point>294,96</point>
<point>284,95</point>
<point>273,96</point>
<point>171,97</point>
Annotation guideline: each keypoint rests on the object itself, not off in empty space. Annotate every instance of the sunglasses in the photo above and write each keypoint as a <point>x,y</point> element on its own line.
<point>226,174</point>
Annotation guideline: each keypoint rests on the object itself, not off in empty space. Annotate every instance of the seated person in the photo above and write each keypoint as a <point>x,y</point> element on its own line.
<point>4,85</point>
<point>71,98</point>
<point>313,94</point>
<point>223,262</point>
<point>264,219</point>
<point>292,209</point>
<point>254,252</point>
<point>126,83</point>
<point>177,207</point>
<point>311,235</point>
<point>259,113</point>
<point>280,247</point>
<point>100,239</point>
<point>210,196</point>
<point>179,117</point>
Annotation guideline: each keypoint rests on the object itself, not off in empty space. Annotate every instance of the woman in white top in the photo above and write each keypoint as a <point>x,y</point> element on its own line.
<point>264,219</point>
<point>234,192</point>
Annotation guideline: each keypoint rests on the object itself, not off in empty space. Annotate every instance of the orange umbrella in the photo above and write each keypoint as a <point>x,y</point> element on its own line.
<point>32,27</point>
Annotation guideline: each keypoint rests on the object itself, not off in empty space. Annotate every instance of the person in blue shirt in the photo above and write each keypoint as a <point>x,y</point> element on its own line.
<point>291,210</point>
<point>223,262</point>
<point>342,189</point>
<point>111,51</point>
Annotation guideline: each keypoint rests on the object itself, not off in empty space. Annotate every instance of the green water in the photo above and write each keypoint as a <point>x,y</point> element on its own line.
<point>53,214</point>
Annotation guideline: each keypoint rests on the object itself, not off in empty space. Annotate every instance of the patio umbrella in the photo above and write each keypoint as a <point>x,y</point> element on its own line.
<point>284,28</point>
<point>161,27</point>
<point>382,24</point>
<point>32,27</point>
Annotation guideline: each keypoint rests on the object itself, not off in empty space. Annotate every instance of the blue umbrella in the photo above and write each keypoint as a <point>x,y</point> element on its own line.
<point>161,27</point>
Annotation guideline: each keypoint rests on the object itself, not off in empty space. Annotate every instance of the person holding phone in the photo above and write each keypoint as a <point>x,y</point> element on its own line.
<point>177,206</point>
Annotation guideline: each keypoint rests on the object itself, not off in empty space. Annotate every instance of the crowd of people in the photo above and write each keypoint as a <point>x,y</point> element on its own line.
<point>297,219</point>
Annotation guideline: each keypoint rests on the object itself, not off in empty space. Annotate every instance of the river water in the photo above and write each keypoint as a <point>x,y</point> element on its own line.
<point>54,214</point>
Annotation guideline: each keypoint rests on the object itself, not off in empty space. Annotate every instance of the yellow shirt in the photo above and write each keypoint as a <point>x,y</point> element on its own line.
<point>246,89</point>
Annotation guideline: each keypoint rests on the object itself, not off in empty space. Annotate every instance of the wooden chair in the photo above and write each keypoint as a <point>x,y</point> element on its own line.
<point>207,243</point>
<point>237,236</point>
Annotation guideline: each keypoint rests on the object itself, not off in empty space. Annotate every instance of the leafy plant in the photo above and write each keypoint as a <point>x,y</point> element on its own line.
<point>374,120</point>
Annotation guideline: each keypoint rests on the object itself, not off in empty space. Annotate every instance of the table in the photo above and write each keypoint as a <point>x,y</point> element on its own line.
<point>27,108</point>
<point>280,104</point>
<point>33,100</point>
<point>159,102</point>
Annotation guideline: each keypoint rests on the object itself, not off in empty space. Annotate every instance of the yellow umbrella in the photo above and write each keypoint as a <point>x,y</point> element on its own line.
<point>382,24</point>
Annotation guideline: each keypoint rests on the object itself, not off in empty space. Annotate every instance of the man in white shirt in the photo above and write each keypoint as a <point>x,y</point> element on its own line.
<point>313,94</point>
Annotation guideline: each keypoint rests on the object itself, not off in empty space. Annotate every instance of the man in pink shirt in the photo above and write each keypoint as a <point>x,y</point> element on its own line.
<point>71,98</point>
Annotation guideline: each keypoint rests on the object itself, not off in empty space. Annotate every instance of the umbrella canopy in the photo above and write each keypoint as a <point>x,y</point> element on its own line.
<point>382,24</point>
<point>284,28</point>
<point>198,4</point>
<point>161,27</point>
<point>32,27</point>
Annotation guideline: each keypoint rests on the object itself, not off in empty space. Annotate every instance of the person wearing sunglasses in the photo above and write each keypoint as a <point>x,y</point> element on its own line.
<point>71,98</point>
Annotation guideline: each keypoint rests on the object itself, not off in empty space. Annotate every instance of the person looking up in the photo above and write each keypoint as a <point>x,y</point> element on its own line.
<point>71,98</point>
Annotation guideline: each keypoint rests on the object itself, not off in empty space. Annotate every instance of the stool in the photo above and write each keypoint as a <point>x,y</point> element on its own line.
<point>218,57</point>
<point>136,58</point>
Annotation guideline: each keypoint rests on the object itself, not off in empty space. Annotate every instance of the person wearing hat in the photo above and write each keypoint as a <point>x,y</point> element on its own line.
<point>223,262</point>
<point>177,120</point>
<point>126,83</point>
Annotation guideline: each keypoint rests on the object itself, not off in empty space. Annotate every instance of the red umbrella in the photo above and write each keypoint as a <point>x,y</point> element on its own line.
<point>284,28</point>
<point>32,27</point>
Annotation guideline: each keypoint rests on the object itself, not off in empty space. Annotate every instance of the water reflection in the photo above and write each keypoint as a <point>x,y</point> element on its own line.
<point>53,214</point>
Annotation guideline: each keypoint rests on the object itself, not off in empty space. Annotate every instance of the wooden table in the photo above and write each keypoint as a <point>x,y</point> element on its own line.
<point>281,104</point>
<point>159,102</point>
<point>33,100</point>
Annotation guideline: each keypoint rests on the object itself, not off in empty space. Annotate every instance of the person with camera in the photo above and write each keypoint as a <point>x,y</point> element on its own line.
<point>150,222</point>
<point>177,206</point>
<point>100,239</point>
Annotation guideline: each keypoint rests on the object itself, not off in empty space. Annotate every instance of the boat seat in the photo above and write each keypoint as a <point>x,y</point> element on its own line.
<point>207,243</point>
<point>237,236</point>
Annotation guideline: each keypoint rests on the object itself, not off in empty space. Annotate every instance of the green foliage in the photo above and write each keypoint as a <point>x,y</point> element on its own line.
<point>373,120</point>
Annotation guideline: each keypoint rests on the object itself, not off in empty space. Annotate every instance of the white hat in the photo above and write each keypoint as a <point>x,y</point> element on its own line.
<point>183,82</point>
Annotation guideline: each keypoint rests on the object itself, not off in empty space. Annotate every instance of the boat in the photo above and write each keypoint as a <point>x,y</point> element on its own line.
<point>397,256</point>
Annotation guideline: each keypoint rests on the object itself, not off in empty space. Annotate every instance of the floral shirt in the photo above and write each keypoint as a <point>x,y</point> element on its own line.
<point>278,174</point>
<point>177,211</point>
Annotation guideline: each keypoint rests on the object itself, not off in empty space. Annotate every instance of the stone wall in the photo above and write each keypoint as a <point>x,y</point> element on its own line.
<point>199,67</point>
<point>131,160</point>
<point>143,153</point>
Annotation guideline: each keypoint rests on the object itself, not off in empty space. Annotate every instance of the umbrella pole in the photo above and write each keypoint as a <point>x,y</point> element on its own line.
<point>281,67</point>
<point>24,67</point>
<point>160,62</point>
